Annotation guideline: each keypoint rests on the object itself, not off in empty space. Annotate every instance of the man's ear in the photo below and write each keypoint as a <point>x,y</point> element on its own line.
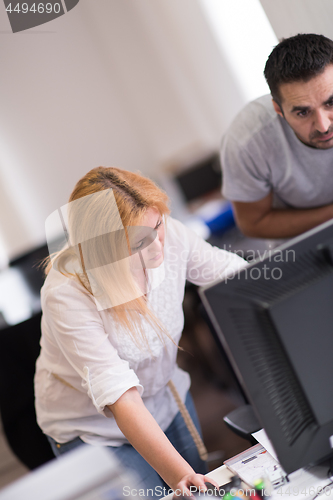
<point>277,108</point>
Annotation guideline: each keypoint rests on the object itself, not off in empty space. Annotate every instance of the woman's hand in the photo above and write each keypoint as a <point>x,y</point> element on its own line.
<point>189,483</point>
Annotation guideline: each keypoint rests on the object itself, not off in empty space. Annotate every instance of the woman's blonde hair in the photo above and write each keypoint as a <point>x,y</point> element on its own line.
<point>102,208</point>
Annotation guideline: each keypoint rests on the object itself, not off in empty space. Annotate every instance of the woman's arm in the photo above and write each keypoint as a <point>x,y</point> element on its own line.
<point>145,435</point>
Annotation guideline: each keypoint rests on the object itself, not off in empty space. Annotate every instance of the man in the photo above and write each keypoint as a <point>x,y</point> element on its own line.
<point>277,156</point>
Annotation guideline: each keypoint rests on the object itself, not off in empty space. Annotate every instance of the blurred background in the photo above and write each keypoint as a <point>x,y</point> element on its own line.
<point>147,85</point>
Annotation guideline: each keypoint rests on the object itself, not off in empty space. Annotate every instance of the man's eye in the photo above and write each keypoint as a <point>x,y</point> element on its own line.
<point>303,113</point>
<point>330,104</point>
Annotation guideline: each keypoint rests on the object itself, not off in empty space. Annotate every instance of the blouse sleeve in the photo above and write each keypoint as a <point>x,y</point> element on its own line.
<point>77,328</point>
<point>204,262</point>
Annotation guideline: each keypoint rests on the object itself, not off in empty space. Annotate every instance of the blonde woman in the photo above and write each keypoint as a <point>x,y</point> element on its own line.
<point>112,320</point>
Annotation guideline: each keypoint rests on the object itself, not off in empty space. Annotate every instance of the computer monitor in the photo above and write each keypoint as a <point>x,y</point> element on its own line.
<point>275,321</point>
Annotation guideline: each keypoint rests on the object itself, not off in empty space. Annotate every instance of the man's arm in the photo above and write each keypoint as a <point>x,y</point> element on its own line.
<point>259,220</point>
<point>145,435</point>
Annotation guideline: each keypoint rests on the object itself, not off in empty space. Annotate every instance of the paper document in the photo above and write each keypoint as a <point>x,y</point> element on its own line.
<point>264,440</point>
<point>256,463</point>
<point>306,484</point>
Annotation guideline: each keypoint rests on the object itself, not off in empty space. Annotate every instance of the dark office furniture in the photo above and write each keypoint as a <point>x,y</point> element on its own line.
<point>243,422</point>
<point>201,178</point>
<point>19,349</point>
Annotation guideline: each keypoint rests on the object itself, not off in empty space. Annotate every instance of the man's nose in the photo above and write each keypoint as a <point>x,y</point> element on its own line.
<point>323,122</point>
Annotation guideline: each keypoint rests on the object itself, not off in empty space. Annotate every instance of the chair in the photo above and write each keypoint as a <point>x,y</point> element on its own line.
<point>243,422</point>
<point>19,348</point>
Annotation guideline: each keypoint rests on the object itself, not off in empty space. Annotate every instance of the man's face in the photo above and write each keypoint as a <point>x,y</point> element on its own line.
<point>308,109</point>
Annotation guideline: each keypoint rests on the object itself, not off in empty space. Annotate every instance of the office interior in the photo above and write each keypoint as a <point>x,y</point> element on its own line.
<point>148,85</point>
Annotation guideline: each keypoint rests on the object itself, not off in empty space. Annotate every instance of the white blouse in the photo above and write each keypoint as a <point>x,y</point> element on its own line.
<point>88,361</point>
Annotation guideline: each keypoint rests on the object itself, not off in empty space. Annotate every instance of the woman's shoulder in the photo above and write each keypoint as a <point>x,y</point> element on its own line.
<point>176,229</point>
<point>177,234</point>
<point>173,224</point>
<point>58,286</point>
<point>183,235</point>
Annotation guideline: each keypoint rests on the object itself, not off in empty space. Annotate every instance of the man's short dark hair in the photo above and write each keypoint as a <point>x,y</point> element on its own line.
<point>297,58</point>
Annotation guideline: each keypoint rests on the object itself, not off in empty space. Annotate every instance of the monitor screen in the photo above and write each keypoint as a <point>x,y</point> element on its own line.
<point>275,321</point>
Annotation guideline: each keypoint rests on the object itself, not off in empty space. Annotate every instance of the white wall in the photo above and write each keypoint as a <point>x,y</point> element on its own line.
<point>138,84</point>
<point>246,39</point>
<point>290,17</point>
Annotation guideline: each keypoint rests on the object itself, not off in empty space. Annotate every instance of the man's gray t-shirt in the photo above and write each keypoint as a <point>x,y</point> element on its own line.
<point>260,153</point>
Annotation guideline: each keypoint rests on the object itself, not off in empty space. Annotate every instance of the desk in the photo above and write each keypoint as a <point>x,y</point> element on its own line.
<point>303,484</point>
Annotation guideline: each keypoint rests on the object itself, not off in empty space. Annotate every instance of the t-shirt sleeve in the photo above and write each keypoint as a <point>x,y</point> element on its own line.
<point>245,171</point>
<point>79,333</point>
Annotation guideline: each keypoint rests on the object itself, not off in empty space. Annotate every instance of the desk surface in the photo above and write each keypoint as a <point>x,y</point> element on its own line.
<point>303,484</point>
